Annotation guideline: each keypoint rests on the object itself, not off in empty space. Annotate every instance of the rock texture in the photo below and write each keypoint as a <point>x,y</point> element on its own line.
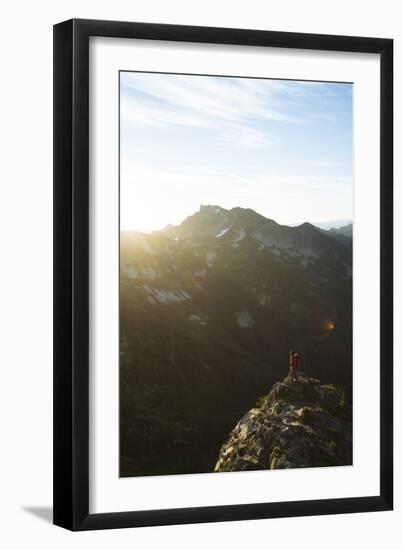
<point>298,424</point>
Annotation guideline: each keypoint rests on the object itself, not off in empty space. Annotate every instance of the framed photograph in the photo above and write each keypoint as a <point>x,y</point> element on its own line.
<point>223,321</point>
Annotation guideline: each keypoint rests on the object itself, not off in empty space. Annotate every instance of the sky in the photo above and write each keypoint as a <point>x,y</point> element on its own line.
<point>282,148</point>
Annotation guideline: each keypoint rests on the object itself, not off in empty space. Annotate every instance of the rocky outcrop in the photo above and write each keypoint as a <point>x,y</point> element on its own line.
<point>298,424</point>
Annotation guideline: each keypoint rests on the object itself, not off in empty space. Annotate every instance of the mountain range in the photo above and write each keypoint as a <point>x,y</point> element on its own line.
<point>209,310</point>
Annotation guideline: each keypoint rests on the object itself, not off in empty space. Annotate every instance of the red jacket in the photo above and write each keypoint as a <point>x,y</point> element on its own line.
<point>294,362</point>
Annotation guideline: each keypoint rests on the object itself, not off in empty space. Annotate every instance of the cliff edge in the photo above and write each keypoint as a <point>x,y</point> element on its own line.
<point>297,425</point>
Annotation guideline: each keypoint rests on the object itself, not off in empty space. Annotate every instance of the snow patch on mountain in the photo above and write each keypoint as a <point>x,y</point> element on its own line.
<point>244,319</point>
<point>194,317</point>
<point>223,232</point>
<point>131,272</point>
<point>165,296</point>
<point>264,299</point>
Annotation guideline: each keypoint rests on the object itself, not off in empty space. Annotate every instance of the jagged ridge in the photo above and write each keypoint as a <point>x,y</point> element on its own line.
<point>298,424</point>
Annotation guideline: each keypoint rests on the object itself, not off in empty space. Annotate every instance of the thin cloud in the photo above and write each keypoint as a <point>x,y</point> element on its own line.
<point>234,107</point>
<point>249,138</point>
<point>263,144</point>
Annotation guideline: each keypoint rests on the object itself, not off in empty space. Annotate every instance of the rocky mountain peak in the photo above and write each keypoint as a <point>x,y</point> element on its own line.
<point>298,424</point>
<point>305,240</point>
<point>306,226</point>
<point>211,208</point>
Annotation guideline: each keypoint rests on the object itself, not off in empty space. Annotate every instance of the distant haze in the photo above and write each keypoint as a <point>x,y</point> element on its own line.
<point>336,224</point>
<point>281,148</point>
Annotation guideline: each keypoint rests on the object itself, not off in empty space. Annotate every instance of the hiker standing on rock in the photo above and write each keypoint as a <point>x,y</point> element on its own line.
<point>294,359</point>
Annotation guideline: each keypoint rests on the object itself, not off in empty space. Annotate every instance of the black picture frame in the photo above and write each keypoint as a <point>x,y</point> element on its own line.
<point>71,274</point>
